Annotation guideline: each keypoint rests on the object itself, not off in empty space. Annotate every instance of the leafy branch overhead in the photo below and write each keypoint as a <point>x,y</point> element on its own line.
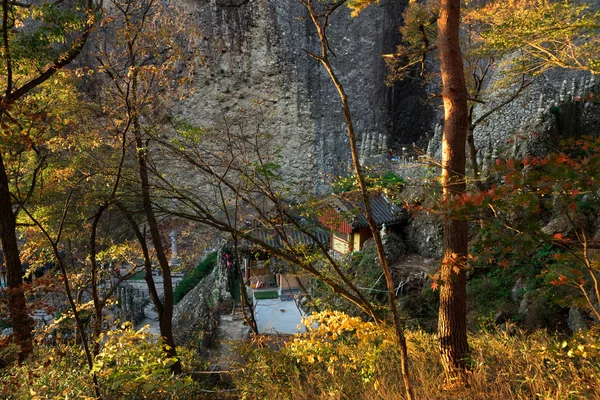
<point>541,34</point>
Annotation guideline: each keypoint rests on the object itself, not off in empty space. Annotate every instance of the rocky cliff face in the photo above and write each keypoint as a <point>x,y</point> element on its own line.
<point>557,105</point>
<point>257,72</point>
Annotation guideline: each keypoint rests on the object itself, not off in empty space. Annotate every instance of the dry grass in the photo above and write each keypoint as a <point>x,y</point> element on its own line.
<point>523,366</point>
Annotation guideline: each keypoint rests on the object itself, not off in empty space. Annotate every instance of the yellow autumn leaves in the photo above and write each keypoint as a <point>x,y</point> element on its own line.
<point>342,344</point>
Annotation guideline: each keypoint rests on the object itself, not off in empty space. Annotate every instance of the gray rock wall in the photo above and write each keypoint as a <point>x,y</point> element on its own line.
<point>257,72</point>
<point>558,104</point>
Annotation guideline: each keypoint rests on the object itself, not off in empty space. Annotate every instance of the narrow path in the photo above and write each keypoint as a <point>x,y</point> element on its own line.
<point>151,319</point>
<point>232,328</point>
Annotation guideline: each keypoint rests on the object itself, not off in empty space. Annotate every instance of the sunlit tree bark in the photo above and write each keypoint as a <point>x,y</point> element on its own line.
<point>452,330</point>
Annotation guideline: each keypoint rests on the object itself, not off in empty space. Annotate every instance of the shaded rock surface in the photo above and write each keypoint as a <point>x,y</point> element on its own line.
<point>576,321</point>
<point>257,72</point>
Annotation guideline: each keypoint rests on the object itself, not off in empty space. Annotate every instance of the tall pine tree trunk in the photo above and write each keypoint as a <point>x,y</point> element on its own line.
<point>16,296</point>
<point>452,330</point>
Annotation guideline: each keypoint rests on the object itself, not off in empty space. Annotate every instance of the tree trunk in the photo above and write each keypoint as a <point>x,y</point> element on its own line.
<point>147,262</point>
<point>16,297</point>
<point>452,330</point>
<point>166,320</point>
<point>14,276</point>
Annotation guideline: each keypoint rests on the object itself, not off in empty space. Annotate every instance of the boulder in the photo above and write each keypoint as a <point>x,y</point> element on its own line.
<point>576,321</point>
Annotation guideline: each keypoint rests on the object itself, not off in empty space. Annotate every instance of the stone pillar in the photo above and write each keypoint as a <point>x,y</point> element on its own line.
<point>174,253</point>
<point>363,147</point>
<point>373,149</point>
<point>563,91</point>
<point>130,299</point>
<point>540,110</point>
<point>123,301</point>
<point>582,88</point>
<point>480,158</point>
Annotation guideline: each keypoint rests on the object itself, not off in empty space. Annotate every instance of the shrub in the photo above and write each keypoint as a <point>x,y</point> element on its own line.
<point>191,279</point>
<point>131,365</point>
<point>389,182</point>
<point>338,357</point>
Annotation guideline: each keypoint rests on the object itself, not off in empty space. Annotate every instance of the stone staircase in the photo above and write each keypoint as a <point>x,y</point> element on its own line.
<point>238,311</point>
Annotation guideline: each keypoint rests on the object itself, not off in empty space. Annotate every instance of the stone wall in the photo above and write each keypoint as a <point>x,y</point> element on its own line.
<point>196,316</point>
<point>131,303</point>
<point>257,73</point>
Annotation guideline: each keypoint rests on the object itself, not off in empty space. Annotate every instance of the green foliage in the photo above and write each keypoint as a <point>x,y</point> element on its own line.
<point>362,268</point>
<point>579,352</point>
<point>419,34</point>
<point>40,33</point>
<point>389,183</point>
<point>420,310</point>
<point>541,34</point>
<point>268,170</point>
<point>51,372</point>
<point>131,365</point>
<point>490,288</point>
<point>539,218</point>
<point>138,276</point>
<point>191,279</point>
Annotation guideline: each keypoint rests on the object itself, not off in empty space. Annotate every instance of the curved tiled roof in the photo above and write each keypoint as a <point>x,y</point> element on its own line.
<point>352,210</point>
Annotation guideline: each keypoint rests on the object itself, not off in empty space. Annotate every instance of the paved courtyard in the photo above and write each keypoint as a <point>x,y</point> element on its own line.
<point>274,316</point>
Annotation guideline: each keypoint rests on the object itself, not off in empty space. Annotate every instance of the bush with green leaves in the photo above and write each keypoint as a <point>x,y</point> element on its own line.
<point>191,279</point>
<point>389,183</point>
<point>541,217</point>
<point>131,365</point>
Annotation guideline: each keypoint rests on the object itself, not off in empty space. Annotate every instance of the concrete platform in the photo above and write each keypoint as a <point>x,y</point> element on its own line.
<point>274,316</point>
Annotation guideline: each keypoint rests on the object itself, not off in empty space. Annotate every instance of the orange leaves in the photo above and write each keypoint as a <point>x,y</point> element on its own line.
<point>562,280</point>
<point>62,174</point>
<point>435,281</point>
<point>558,236</point>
